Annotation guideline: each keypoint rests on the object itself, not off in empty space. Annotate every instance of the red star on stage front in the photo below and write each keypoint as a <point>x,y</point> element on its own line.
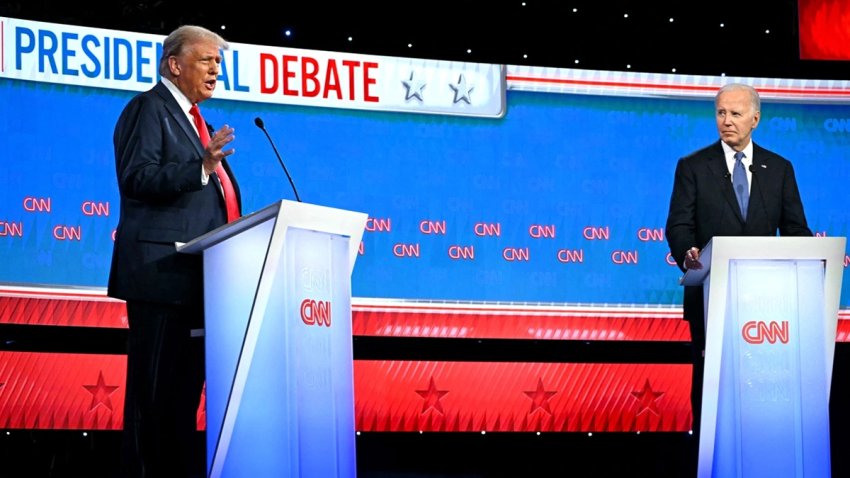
<point>100,393</point>
<point>432,397</point>
<point>540,398</point>
<point>648,399</point>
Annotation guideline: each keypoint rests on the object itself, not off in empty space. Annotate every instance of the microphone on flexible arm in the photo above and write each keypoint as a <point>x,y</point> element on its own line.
<point>261,125</point>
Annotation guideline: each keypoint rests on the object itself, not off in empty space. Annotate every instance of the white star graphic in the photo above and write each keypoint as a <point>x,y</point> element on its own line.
<point>462,90</point>
<point>414,88</point>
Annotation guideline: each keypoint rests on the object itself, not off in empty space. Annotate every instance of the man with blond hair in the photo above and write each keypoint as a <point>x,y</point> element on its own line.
<point>174,185</point>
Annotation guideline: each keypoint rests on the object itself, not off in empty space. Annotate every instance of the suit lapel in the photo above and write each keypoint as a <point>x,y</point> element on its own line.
<point>174,110</point>
<point>759,174</point>
<point>188,129</point>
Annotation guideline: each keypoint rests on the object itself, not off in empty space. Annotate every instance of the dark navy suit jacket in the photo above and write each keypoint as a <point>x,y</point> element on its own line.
<point>158,160</point>
<point>703,204</point>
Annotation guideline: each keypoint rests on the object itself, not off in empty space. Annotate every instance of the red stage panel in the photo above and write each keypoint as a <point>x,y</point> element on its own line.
<point>824,29</point>
<point>843,329</point>
<point>399,318</point>
<point>520,397</point>
<point>53,306</point>
<point>86,391</point>
<point>62,391</point>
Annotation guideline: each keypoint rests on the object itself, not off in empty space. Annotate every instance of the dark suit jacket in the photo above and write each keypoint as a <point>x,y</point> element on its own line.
<point>158,158</point>
<point>703,204</point>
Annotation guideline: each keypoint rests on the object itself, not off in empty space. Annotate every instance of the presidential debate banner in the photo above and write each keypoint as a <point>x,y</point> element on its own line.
<point>483,183</point>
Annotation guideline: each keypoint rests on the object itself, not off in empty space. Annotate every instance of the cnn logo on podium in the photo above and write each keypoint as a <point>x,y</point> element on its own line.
<point>316,312</point>
<point>757,332</point>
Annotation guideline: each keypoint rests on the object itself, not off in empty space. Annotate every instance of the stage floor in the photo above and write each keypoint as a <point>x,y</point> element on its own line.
<point>73,454</point>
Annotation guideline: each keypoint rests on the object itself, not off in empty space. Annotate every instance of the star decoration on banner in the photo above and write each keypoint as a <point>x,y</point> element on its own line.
<point>462,90</point>
<point>540,398</point>
<point>101,393</point>
<point>414,88</point>
<point>432,397</point>
<point>648,399</point>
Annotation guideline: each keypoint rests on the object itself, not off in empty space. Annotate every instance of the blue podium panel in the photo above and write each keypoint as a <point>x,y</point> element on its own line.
<point>227,306</point>
<point>773,412</point>
<point>319,344</point>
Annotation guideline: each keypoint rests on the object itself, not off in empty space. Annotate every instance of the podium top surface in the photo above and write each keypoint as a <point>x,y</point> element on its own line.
<point>724,248</point>
<point>198,244</point>
<point>289,214</point>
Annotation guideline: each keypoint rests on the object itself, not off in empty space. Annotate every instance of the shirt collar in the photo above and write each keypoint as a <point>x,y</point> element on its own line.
<point>184,102</point>
<point>729,153</point>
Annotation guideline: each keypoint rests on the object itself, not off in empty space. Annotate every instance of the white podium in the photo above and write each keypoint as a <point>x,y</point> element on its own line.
<point>771,310</point>
<point>279,364</point>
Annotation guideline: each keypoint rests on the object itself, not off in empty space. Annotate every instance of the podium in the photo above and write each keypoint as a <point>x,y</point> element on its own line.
<point>771,310</point>
<point>279,364</point>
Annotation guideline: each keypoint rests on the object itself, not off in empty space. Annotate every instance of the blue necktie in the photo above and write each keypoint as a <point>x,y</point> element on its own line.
<point>739,181</point>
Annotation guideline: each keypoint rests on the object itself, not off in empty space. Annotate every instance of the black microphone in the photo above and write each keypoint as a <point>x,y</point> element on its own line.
<point>757,177</point>
<point>261,125</point>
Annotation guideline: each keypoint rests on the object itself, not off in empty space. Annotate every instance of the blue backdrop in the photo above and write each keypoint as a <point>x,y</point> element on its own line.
<point>582,178</point>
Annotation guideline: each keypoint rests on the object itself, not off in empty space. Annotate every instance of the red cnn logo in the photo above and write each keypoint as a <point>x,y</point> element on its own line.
<point>68,233</point>
<point>92,208</point>
<point>487,229</point>
<point>592,233</point>
<point>540,231</point>
<point>11,229</point>
<point>379,225</point>
<point>34,204</point>
<point>570,255</point>
<point>316,312</point>
<point>756,332</point>
<point>432,227</point>
<point>462,252</point>
<point>646,234</point>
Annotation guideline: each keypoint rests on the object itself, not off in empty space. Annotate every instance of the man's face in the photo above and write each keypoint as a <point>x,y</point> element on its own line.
<point>736,118</point>
<point>195,70</point>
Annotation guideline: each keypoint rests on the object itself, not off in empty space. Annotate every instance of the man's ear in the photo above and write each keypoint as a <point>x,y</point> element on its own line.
<point>174,66</point>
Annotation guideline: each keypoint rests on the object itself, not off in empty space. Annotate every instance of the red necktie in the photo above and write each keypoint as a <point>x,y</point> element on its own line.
<point>224,179</point>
